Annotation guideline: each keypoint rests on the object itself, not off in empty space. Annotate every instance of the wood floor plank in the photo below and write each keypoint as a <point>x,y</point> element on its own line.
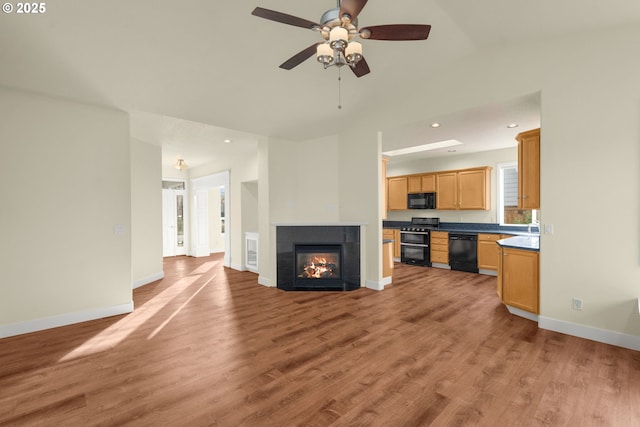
<point>207,345</point>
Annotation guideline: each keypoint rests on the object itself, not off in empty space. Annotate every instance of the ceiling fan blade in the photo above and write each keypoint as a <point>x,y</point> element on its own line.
<point>300,57</point>
<point>352,7</point>
<point>284,18</point>
<point>396,32</point>
<point>361,68</point>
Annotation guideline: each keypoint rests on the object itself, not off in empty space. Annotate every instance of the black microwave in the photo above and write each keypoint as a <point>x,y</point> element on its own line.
<point>421,201</point>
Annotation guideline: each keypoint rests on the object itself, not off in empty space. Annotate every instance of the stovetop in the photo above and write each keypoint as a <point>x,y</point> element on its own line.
<point>422,225</point>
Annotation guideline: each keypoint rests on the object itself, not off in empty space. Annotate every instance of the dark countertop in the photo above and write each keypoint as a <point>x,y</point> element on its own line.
<point>522,238</point>
<point>387,240</point>
<point>468,227</point>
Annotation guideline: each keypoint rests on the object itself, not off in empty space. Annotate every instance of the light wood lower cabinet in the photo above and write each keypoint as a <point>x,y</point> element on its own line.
<point>519,279</point>
<point>488,251</point>
<point>440,247</point>
<point>392,233</point>
<point>387,259</point>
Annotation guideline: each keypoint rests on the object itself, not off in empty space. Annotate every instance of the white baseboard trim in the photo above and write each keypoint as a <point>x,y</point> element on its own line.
<point>264,281</point>
<point>631,342</point>
<point>63,320</point>
<point>148,279</point>
<point>237,267</point>
<point>522,313</point>
<point>378,286</point>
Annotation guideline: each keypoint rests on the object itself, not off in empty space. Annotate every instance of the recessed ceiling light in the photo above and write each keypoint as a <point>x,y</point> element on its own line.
<point>435,125</point>
<point>513,125</point>
<point>228,141</point>
<point>425,147</point>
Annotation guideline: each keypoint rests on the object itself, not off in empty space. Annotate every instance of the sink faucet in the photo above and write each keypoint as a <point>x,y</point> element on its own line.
<point>533,224</point>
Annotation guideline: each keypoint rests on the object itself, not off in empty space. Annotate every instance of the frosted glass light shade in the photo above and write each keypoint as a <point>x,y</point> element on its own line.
<point>324,53</point>
<point>338,33</point>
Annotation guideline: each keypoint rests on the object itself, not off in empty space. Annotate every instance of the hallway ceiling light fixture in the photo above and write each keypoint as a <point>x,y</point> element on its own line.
<point>181,165</point>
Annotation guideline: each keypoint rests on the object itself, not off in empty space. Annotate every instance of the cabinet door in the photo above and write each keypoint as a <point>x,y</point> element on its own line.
<point>520,280</point>
<point>428,183</point>
<point>488,253</point>
<point>396,245</point>
<point>529,169</point>
<point>473,190</point>
<point>414,184</point>
<point>446,191</point>
<point>397,193</point>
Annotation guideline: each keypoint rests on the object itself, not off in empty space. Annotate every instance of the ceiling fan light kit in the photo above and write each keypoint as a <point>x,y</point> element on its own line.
<point>339,27</point>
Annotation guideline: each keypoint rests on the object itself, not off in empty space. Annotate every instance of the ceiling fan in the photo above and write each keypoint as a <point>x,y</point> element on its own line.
<point>339,29</point>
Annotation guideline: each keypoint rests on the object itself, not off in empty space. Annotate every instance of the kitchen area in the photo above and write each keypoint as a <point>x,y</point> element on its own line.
<point>471,219</point>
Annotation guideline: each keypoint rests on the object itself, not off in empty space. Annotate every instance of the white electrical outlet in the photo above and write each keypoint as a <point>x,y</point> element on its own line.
<point>577,303</point>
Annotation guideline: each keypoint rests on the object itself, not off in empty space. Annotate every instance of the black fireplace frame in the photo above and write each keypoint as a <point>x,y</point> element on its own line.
<point>348,236</point>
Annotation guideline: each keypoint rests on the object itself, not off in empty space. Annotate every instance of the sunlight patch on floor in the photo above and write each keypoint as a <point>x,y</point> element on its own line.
<point>175,313</point>
<point>119,331</point>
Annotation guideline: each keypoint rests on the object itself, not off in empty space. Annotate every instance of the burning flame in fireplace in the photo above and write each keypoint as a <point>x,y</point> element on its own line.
<point>318,268</point>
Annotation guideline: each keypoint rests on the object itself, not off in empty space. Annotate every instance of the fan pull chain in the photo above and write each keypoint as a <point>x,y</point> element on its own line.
<point>339,89</point>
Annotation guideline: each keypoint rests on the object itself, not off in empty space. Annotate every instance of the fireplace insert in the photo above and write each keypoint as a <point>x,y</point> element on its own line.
<point>318,266</point>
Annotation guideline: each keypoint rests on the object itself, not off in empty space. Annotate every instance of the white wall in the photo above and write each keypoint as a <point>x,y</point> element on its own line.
<point>146,212</point>
<point>461,161</point>
<point>299,182</point>
<point>65,183</point>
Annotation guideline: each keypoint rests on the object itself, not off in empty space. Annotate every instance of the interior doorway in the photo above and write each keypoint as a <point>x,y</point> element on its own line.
<point>174,214</point>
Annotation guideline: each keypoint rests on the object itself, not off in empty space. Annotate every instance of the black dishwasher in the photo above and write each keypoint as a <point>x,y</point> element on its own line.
<point>463,252</point>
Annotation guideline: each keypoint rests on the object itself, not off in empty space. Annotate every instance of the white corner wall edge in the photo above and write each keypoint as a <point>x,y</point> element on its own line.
<point>264,281</point>
<point>378,286</point>
<point>63,320</point>
<point>238,267</point>
<point>148,279</point>
<point>631,342</point>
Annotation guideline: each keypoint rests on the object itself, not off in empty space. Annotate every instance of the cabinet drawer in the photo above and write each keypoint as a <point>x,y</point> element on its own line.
<point>439,241</point>
<point>488,237</point>
<point>440,247</point>
<point>440,257</point>
<point>439,235</point>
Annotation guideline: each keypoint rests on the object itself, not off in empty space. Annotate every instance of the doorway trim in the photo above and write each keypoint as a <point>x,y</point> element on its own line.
<point>200,187</point>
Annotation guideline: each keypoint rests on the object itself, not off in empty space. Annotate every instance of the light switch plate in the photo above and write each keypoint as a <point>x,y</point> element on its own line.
<point>548,229</point>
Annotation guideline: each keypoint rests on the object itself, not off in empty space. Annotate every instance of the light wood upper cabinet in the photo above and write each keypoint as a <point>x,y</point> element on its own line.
<point>397,188</point>
<point>428,182</point>
<point>414,184</point>
<point>468,189</point>
<point>423,183</point>
<point>529,169</point>
<point>519,279</point>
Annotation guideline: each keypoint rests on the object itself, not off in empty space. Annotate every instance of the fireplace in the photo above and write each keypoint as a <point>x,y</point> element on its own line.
<point>318,258</point>
<point>318,266</point>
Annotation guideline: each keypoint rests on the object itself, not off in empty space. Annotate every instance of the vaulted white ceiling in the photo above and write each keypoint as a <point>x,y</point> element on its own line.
<point>179,65</point>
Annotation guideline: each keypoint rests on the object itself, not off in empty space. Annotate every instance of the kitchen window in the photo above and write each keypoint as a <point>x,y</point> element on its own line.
<point>508,212</point>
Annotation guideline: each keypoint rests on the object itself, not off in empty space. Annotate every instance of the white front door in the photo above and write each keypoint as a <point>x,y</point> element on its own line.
<point>173,222</point>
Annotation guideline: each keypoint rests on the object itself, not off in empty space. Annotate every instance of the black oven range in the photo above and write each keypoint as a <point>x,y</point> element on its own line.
<point>415,241</point>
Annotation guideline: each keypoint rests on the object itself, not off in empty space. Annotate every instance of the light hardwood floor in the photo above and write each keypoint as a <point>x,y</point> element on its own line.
<point>209,346</point>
